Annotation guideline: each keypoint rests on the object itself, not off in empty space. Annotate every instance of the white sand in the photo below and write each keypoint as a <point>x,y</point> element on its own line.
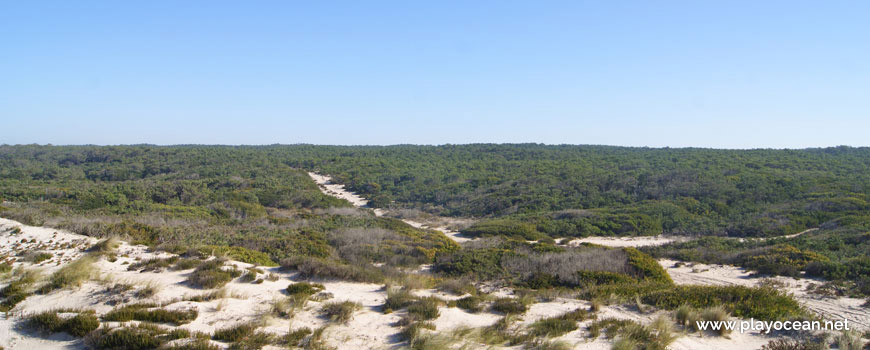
<point>641,241</point>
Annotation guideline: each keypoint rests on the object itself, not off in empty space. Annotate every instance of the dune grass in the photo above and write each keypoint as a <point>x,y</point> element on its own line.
<point>558,325</point>
<point>212,274</point>
<point>509,306</point>
<point>18,289</point>
<point>340,312</point>
<point>150,313</point>
<point>71,275</point>
<point>236,332</point>
<point>50,322</point>
<point>471,303</point>
<point>140,336</point>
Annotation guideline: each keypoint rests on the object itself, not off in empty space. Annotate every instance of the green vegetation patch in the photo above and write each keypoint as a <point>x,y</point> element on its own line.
<point>151,313</point>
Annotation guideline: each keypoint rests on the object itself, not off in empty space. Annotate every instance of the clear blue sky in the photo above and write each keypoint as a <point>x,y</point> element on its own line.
<point>731,74</point>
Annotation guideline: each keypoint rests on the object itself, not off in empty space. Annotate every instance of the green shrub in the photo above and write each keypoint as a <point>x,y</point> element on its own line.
<point>148,312</point>
<point>508,306</point>
<point>646,267</point>
<point>237,253</point>
<point>558,325</point>
<point>471,303</point>
<point>211,274</point>
<point>18,289</point>
<point>304,288</point>
<point>398,298</point>
<point>235,333</point>
<point>194,344</point>
<point>154,264</point>
<point>610,326</point>
<point>255,341</point>
<point>134,337</point>
<point>187,264</point>
<point>46,322</point>
<point>81,324</point>
<point>295,338</point>
<point>309,267</point>
<point>744,302</point>
<point>340,312</point>
<point>425,308</point>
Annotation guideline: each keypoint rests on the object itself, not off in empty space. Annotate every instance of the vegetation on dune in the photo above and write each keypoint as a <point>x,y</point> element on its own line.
<point>212,274</point>
<point>18,289</point>
<point>71,275</point>
<point>744,302</point>
<point>558,325</point>
<point>236,332</point>
<point>542,265</point>
<point>77,325</point>
<point>340,312</point>
<point>150,313</point>
<point>246,203</point>
<point>838,251</point>
<point>142,336</point>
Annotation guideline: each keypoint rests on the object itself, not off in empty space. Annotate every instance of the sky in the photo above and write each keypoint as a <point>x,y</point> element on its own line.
<point>722,74</point>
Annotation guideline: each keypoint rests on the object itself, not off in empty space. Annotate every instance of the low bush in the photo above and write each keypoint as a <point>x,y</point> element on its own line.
<point>610,326</point>
<point>456,286</point>
<point>398,298</point>
<point>194,344</point>
<point>211,274</point>
<point>18,289</point>
<point>304,288</point>
<point>470,303</point>
<point>153,265</point>
<point>425,308</point>
<point>295,338</point>
<point>235,333</point>
<point>237,253</point>
<point>134,337</point>
<point>558,325</point>
<point>148,312</point>
<point>340,312</point>
<point>745,302</point>
<point>255,341</point>
<point>310,267</point>
<point>508,306</point>
<point>633,336</point>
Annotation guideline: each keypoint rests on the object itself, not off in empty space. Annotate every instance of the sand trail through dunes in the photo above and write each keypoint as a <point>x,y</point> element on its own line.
<point>328,187</point>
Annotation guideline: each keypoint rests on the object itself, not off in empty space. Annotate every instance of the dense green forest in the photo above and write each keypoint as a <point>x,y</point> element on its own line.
<point>260,199</point>
<point>560,191</point>
<point>180,197</point>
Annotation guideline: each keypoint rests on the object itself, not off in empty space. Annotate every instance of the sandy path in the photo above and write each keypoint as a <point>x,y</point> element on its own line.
<point>328,187</point>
